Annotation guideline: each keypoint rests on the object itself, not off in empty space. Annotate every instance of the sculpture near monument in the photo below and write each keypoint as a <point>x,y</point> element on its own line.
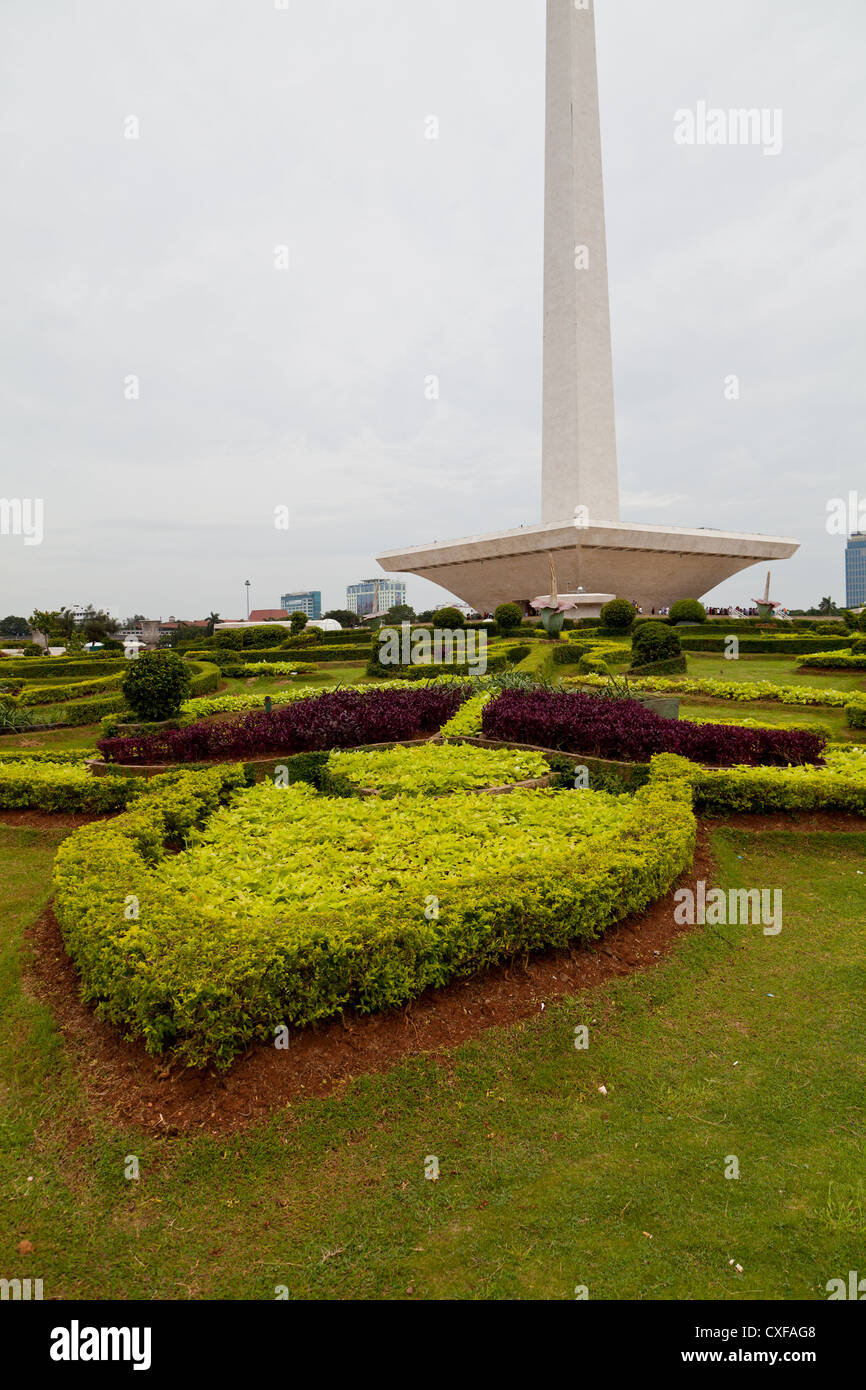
<point>766,606</point>
<point>654,565</point>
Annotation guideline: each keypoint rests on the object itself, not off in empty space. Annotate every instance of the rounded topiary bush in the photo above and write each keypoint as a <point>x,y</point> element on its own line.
<point>858,648</point>
<point>155,685</point>
<point>508,616</point>
<point>618,614</point>
<point>654,642</point>
<point>688,610</point>
<point>449,617</point>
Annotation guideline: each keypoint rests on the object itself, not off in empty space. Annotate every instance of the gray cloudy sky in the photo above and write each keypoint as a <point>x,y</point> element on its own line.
<point>304,387</point>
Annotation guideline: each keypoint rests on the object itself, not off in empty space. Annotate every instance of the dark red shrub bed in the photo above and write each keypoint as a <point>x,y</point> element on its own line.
<point>334,719</point>
<point>576,722</point>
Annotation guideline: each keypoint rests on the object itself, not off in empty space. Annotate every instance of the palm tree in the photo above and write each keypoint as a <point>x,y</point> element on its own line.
<point>66,622</point>
<point>212,619</point>
<point>827,607</point>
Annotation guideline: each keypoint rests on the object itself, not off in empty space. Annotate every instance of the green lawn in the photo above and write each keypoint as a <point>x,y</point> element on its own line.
<point>84,736</point>
<point>772,715</point>
<point>739,1044</point>
<point>328,674</point>
<point>781,670</point>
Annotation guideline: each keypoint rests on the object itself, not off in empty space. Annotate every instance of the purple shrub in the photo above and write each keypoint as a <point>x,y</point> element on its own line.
<point>625,730</point>
<point>334,719</point>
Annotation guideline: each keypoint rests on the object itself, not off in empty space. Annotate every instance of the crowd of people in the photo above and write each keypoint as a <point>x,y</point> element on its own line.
<point>716,612</point>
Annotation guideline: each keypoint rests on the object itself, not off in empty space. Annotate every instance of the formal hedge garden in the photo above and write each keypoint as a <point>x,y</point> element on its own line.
<point>434,769</point>
<point>254,925</point>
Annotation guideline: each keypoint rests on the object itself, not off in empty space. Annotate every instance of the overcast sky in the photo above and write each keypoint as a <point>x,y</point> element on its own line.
<point>260,387</point>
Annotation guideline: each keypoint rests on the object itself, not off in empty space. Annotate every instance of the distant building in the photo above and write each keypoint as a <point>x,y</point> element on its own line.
<point>268,615</point>
<point>169,629</point>
<point>855,570</point>
<point>374,596</point>
<point>309,602</point>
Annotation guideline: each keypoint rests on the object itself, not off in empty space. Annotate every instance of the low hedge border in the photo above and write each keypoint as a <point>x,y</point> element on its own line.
<point>833,627</point>
<point>175,980</point>
<point>760,646</point>
<point>61,788</point>
<point>834,661</point>
<point>205,679</point>
<point>855,712</point>
<point>739,692</point>
<point>84,711</point>
<point>762,790</point>
<point>74,690</point>
<point>60,668</point>
<point>568,653</point>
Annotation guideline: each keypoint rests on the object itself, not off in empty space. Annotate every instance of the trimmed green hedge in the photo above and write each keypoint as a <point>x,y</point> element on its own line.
<point>74,690</point>
<point>60,668</point>
<point>205,680</point>
<point>315,654</point>
<point>830,627</point>
<point>567,653</point>
<point>834,661</point>
<point>855,712</point>
<point>32,756</point>
<point>704,641</point>
<point>269,636</point>
<point>839,787</point>
<point>55,788</point>
<point>82,711</point>
<point>738,692</point>
<point>433,672</point>
<point>207,979</point>
<point>592,666</point>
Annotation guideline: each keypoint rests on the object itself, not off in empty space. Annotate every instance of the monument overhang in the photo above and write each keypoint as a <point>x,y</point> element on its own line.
<point>654,565</point>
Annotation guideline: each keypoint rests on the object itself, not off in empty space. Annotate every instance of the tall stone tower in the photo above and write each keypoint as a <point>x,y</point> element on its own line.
<point>579,433</point>
<point>655,565</point>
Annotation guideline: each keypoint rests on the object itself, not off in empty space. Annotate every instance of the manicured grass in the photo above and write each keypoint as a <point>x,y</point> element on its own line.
<point>773,715</point>
<point>84,737</point>
<point>327,675</point>
<point>739,1044</point>
<point>539,661</point>
<point>779,669</point>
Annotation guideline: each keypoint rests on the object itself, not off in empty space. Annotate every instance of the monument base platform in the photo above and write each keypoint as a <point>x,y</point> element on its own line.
<point>575,606</point>
<point>652,565</point>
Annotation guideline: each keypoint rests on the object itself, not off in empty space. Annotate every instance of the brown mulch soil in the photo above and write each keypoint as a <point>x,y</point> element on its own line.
<point>50,820</point>
<point>809,822</point>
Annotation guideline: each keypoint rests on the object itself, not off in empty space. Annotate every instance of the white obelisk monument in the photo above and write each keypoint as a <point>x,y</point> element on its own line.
<point>578,457</point>
<point>580,536</point>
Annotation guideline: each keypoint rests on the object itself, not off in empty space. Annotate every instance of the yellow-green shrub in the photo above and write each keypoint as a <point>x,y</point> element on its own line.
<point>839,786</point>
<point>258,924</point>
<point>56,787</point>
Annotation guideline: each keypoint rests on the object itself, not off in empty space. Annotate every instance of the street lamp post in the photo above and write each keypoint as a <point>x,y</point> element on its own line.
<point>247,586</point>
